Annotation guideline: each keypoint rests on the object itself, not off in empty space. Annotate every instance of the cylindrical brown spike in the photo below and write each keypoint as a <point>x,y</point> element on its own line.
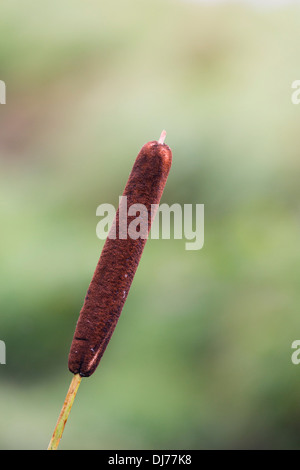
<point>119,260</point>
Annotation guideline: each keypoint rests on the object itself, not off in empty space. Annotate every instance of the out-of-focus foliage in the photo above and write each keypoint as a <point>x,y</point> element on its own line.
<point>201,357</point>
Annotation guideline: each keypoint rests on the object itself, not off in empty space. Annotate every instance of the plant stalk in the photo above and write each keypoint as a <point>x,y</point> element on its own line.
<point>64,414</point>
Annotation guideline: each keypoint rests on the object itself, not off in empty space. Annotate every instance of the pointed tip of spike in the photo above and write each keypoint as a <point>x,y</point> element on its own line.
<point>161,140</point>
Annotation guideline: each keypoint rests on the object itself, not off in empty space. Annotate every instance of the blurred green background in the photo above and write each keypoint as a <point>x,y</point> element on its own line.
<point>201,357</point>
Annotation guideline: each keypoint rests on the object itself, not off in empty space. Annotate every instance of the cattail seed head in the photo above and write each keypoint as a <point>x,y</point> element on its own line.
<point>119,260</point>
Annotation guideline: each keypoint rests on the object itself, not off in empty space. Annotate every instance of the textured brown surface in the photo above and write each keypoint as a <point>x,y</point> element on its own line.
<point>118,262</point>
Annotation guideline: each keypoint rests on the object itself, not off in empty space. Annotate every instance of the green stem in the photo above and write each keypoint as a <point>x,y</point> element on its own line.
<point>64,414</point>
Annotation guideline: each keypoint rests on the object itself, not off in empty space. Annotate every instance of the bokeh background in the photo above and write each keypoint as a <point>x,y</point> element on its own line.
<point>201,357</point>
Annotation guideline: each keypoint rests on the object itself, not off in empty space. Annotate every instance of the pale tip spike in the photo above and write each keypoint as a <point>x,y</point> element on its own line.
<point>161,140</point>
